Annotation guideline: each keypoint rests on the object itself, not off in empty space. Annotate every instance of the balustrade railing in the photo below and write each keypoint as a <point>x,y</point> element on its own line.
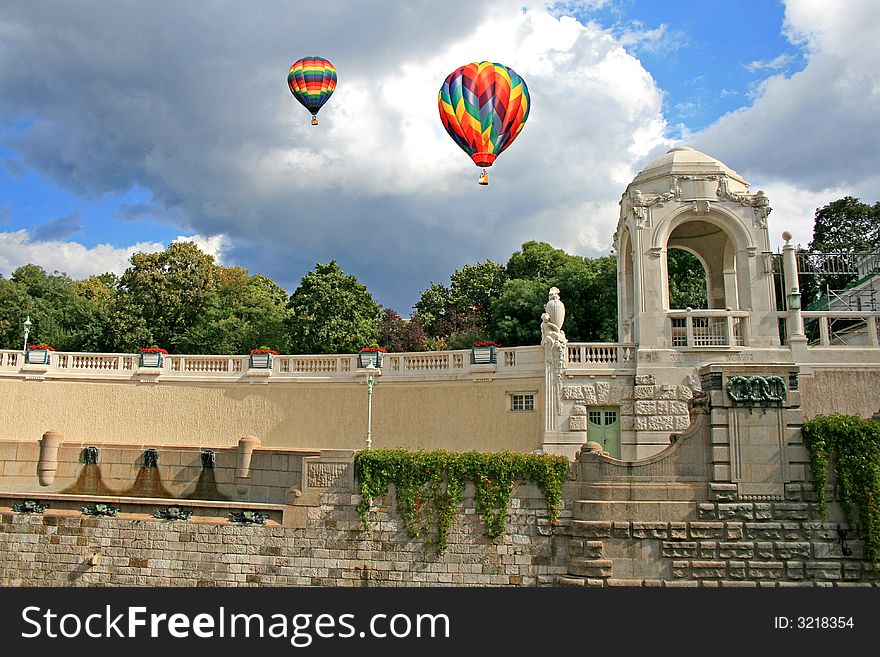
<point>697,329</point>
<point>842,329</point>
<point>601,354</point>
<point>224,367</point>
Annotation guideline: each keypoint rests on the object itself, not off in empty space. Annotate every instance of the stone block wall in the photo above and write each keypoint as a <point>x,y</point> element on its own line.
<point>332,549</point>
<point>729,543</point>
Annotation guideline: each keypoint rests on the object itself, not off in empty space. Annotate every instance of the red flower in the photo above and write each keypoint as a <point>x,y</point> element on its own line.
<point>264,351</point>
<point>373,349</point>
<point>41,346</point>
<point>153,350</point>
<point>486,343</point>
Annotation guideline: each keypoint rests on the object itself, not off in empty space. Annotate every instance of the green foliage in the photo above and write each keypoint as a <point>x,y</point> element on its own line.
<point>687,280</point>
<point>432,305</point>
<point>61,312</point>
<point>853,444</point>
<point>846,226</point>
<point>169,291</point>
<point>474,287</point>
<point>537,261</point>
<point>516,313</point>
<point>428,485</point>
<point>331,313</point>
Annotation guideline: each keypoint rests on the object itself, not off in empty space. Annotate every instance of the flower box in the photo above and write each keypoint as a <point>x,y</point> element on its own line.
<point>152,356</point>
<point>261,359</point>
<point>372,355</point>
<point>38,354</point>
<point>483,353</point>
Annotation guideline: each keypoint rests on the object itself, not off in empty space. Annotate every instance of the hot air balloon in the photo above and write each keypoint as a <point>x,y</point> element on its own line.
<point>484,106</point>
<point>312,81</point>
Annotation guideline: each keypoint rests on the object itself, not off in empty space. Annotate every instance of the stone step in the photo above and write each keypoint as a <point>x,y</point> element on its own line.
<point>669,511</point>
<point>590,567</point>
<point>641,491</point>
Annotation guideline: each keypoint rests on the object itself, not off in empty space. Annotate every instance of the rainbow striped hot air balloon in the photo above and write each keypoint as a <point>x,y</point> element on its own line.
<point>312,81</point>
<point>484,106</point>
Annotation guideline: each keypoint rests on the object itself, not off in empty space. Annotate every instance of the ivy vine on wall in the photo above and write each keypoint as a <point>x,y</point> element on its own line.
<point>429,485</point>
<point>853,444</point>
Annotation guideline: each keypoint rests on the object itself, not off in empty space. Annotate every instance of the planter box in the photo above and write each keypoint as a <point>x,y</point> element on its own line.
<point>482,355</point>
<point>367,357</point>
<point>261,361</point>
<point>37,356</point>
<point>151,359</point>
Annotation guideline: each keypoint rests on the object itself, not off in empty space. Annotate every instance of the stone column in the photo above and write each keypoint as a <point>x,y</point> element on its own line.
<point>48,465</point>
<point>794,321</point>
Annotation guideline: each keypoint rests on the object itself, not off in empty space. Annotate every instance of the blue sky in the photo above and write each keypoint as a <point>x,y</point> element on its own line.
<point>126,126</point>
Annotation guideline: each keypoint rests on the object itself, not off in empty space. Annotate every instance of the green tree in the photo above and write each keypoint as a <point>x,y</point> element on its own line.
<point>432,306</point>
<point>843,226</point>
<point>60,315</point>
<point>331,312</point>
<point>846,226</point>
<point>242,312</point>
<point>588,288</point>
<point>536,261</point>
<point>169,291</point>
<point>687,280</point>
<point>516,313</point>
<point>475,286</point>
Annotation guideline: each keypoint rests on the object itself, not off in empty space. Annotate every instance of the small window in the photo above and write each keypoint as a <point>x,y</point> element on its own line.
<point>522,402</point>
<point>596,418</point>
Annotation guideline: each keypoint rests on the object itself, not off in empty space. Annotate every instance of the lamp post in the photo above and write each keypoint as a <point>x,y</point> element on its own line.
<point>27,328</point>
<point>371,379</point>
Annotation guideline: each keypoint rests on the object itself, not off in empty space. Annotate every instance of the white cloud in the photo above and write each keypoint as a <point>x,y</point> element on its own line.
<point>210,130</point>
<point>815,129</point>
<point>79,261</point>
<point>777,63</point>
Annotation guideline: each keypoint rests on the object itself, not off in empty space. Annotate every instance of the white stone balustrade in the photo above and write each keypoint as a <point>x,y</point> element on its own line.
<point>699,329</point>
<point>593,355</point>
<point>844,328</point>
<point>511,361</point>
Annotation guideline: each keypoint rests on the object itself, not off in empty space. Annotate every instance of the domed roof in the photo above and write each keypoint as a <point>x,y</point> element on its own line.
<point>684,160</point>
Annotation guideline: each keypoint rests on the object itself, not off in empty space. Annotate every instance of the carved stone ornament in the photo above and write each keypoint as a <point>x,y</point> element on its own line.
<point>172,513</point>
<point>30,506</point>
<point>753,391</point>
<point>555,344</point>
<point>100,509</point>
<point>249,517</point>
<point>90,456</point>
<point>151,458</point>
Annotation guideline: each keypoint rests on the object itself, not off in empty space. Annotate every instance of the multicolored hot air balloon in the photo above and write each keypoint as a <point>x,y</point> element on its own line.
<point>484,106</point>
<point>312,81</point>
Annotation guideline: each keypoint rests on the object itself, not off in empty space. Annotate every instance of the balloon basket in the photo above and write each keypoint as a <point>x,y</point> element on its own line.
<point>314,120</point>
<point>484,178</point>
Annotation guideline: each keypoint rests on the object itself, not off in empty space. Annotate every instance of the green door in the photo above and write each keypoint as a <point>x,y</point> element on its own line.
<point>604,428</point>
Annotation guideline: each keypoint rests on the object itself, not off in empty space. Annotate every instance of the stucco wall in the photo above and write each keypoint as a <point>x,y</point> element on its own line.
<point>455,415</point>
<point>846,391</point>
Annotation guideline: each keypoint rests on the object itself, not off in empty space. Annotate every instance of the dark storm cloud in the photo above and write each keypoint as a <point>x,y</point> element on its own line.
<point>189,102</point>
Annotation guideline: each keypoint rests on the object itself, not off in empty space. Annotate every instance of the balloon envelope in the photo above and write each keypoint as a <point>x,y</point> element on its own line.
<point>312,81</point>
<point>484,106</point>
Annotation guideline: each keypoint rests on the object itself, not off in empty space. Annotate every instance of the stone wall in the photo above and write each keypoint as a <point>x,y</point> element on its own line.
<point>732,543</point>
<point>850,391</point>
<point>332,549</point>
<point>452,414</point>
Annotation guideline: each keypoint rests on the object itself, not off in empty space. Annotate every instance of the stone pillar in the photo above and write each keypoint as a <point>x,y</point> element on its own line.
<point>48,465</point>
<point>246,446</point>
<point>795,321</point>
<point>755,425</point>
